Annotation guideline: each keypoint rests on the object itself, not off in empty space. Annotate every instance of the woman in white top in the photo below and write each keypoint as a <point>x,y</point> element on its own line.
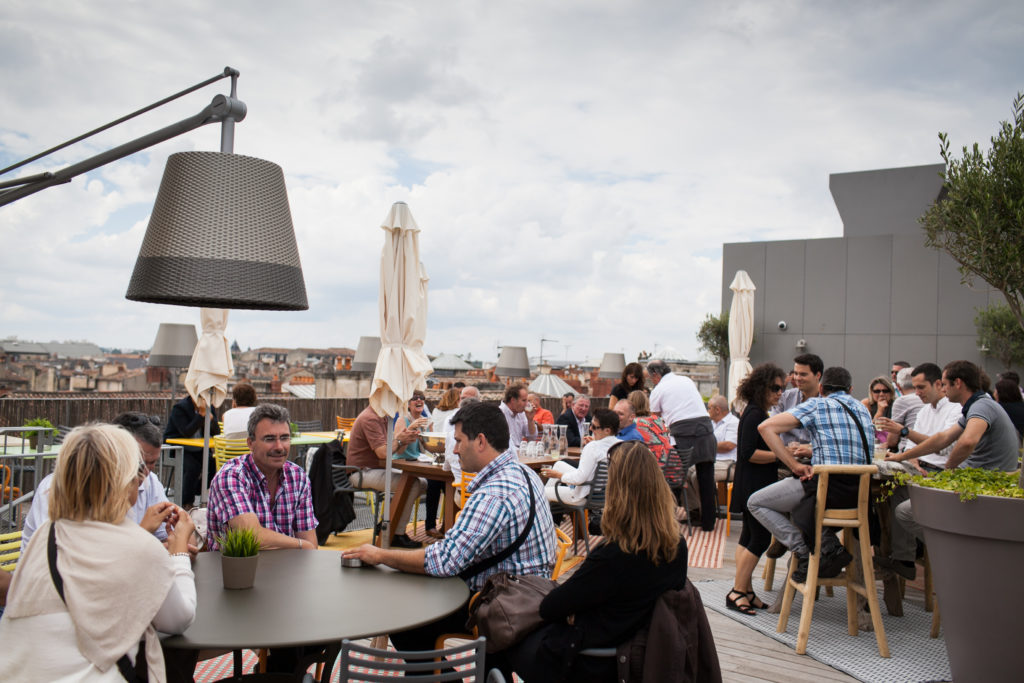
<point>603,426</point>
<point>119,583</point>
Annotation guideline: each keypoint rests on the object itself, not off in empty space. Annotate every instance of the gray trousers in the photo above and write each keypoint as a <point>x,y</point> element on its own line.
<point>772,504</point>
<point>905,529</point>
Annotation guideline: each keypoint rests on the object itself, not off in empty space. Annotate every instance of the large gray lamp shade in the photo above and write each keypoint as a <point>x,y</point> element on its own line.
<point>173,346</point>
<point>612,366</point>
<point>513,362</point>
<point>366,354</point>
<point>220,236</point>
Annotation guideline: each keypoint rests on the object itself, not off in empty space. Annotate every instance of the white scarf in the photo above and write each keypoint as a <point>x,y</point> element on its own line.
<point>116,577</point>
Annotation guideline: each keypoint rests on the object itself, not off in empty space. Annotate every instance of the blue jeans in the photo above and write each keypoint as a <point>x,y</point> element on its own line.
<point>771,505</point>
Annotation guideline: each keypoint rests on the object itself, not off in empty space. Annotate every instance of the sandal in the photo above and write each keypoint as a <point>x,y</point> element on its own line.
<point>732,603</point>
<point>755,602</point>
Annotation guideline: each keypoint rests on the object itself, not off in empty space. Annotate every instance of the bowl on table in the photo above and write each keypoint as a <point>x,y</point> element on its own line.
<point>432,442</point>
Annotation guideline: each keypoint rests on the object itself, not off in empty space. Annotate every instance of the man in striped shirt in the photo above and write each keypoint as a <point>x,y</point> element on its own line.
<point>494,517</point>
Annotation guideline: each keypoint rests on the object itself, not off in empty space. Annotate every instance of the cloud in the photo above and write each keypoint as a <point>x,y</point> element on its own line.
<point>575,167</point>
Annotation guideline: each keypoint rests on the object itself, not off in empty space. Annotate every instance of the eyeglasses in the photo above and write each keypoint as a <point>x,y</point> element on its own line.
<point>270,439</point>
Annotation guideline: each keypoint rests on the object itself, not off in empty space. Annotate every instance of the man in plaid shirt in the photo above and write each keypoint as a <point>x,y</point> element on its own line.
<point>837,438</point>
<point>494,515</point>
<point>262,490</point>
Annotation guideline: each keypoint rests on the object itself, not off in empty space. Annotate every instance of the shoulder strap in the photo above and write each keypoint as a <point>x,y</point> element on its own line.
<point>124,665</point>
<point>860,430</point>
<point>483,565</point>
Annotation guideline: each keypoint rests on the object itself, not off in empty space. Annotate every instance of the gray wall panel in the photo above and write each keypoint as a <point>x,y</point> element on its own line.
<point>830,347</point>
<point>915,282</point>
<point>869,291</point>
<point>959,347</point>
<point>825,287</point>
<point>914,349</point>
<point>866,359</point>
<point>783,293</point>
<point>957,303</point>
<point>780,349</point>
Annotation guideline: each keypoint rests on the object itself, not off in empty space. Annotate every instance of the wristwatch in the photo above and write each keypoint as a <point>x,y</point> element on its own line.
<point>904,432</point>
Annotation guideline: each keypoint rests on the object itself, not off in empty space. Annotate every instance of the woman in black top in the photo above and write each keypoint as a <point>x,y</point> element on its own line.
<point>632,380</point>
<point>1008,395</point>
<point>613,592</point>
<point>756,467</point>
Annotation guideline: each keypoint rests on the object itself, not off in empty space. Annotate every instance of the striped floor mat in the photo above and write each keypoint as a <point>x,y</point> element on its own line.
<point>707,548</point>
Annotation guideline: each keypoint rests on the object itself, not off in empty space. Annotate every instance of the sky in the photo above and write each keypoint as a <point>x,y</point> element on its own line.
<point>574,167</point>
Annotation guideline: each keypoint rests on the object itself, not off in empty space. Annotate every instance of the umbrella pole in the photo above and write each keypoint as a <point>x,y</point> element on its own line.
<point>385,516</point>
<point>206,449</point>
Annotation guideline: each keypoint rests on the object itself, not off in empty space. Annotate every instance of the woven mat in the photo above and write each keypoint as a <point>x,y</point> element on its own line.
<point>706,549</point>
<point>914,656</point>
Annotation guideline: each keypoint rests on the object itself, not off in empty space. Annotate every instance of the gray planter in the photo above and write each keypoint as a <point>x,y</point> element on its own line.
<point>239,572</point>
<point>976,549</point>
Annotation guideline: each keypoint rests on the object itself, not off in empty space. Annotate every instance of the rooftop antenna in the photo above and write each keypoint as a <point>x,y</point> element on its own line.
<point>542,340</point>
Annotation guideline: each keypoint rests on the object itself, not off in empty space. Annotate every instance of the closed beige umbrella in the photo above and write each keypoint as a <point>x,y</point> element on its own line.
<point>741,330</point>
<point>209,372</point>
<point>402,367</point>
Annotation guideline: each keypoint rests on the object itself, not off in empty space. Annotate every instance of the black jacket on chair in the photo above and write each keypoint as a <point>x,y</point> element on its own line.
<point>333,507</point>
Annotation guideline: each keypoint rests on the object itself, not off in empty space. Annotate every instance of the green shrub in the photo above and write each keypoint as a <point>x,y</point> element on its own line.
<point>969,482</point>
<point>37,422</point>
<point>239,543</point>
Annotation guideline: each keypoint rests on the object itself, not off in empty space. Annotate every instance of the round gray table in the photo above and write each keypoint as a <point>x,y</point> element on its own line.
<point>304,597</point>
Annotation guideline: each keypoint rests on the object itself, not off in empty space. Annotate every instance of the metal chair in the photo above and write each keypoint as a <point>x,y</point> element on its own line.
<point>857,578</point>
<point>594,502</point>
<point>676,469</point>
<point>361,663</point>
<point>309,425</point>
<point>342,477</point>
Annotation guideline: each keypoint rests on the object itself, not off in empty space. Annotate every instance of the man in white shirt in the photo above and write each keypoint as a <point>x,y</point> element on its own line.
<point>519,414</point>
<point>904,408</point>
<point>937,413</point>
<point>676,399</point>
<point>151,509</point>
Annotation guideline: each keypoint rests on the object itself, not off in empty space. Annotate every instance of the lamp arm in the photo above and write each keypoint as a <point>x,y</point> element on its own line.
<point>221,109</point>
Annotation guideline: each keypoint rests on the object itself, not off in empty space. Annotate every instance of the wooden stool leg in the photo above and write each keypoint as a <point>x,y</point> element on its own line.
<point>936,620</point>
<point>929,586</point>
<point>787,595</point>
<point>871,589</point>
<point>769,573</point>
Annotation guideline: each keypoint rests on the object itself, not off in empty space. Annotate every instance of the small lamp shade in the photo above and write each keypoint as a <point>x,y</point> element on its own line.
<point>513,362</point>
<point>173,346</point>
<point>220,236</point>
<point>612,366</point>
<point>366,354</point>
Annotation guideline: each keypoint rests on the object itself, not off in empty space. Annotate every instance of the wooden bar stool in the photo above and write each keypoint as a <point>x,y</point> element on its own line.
<point>857,578</point>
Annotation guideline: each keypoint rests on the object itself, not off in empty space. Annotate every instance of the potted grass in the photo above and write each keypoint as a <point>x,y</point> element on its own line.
<point>33,437</point>
<point>973,523</point>
<point>240,552</point>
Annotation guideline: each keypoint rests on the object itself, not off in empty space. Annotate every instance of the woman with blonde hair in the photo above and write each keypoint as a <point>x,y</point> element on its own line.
<point>614,591</point>
<point>114,585</point>
<point>880,397</point>
<point>447,407</point>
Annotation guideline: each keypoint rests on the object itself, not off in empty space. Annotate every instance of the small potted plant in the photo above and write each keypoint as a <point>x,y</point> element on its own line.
<point>33,437</point>
<point>973,523</point>
<point>240,552</point>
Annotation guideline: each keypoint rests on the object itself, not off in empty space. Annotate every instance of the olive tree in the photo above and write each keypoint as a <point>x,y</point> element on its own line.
<point>979,219</point>
<point>1000,335</point>
<point>713,336</point>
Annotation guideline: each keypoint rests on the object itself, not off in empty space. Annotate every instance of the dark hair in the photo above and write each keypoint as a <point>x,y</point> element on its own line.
<point>459,385</point>
<point>1008,390</point>
<point>658,367</point>
<point>267,411</point>
<point>901,364</point>
<point>835,379</point>
<point>811,360</point>
<point>512,391</point>
<point>635,370</point>
<point>569,394</point>
<point>486,419</point>
<point>243,395</point>
<point>963,370</point>
<point>1012,376</point>
<point>607,418</point>
<point>754,387</point>
<point>932,372</point>
<point>141,426</point>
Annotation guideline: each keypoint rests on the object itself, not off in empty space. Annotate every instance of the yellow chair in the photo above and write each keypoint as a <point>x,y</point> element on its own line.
<point>463,494</point>
<point>10,550</point>
<point>563,542</point>
<point>345,423</point>
<point>227,449</point>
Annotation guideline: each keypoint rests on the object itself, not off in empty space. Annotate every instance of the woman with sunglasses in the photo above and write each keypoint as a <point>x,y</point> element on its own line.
<point>880,397</point>
<point>603,427</point>
<point>614,591</point>
<point>118,584</point>
<point>756,467</point>
<point>415,420</point>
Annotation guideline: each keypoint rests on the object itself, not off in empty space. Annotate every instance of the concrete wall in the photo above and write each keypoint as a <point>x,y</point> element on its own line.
<point>867,299</point>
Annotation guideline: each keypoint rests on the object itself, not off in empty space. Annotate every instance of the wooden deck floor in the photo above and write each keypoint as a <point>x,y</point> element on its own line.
<point>747,656</point>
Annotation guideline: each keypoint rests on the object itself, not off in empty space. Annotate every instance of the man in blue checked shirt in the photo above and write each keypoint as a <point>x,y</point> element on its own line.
<point>494,518</point>
<point>839,425</point>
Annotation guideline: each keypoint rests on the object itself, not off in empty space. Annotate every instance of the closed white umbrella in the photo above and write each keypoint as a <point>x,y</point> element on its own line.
<point>402,367</point>
<point>741,330</point>
<point>209,372</point>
